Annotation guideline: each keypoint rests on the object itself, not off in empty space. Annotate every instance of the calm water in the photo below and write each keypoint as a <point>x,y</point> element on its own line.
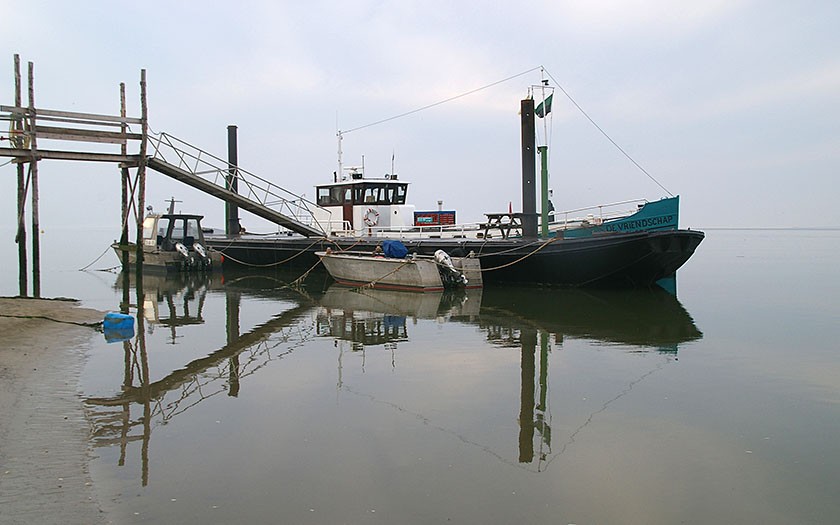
<point>242,400</point>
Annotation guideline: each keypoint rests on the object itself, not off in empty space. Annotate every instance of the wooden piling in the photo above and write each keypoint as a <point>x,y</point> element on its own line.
<point>529,169</point>
<point>232,182</point>
<point>33,169</point>
<point>20,238</point>
<point>124,177</point>
<point>141,171</point>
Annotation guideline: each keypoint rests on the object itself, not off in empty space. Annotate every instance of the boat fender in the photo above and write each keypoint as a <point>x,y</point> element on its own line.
<point>199,249</point>
<point>180,248</point>
<point>371,217</point>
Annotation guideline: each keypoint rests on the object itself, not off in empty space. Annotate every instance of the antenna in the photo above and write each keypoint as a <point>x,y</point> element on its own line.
<point>340,136</point>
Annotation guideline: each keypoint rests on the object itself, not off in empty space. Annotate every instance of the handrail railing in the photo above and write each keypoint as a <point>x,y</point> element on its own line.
<point>604,212</point>
<point>172,150</point>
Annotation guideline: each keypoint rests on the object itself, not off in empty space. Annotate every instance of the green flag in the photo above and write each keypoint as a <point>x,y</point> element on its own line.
<point>543,111</point>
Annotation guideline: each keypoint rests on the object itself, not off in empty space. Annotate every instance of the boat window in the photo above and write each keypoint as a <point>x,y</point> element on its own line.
<point>163,225</point>
<point>368,193</point>
<point>177,230</point>
<point>324,197</point>
<point>399,194</point>
<point>383,194</point>
<point>193,231</point>
<point>334,195</point>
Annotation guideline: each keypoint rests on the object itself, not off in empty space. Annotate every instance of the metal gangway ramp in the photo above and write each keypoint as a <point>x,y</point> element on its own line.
<point>201,170</point>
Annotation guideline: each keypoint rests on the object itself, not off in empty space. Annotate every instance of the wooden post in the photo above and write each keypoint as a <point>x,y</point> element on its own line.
<point>145,382</point>
<point>124,177</point>
<point>20,238</point>
<point>232,184</point>
<point>529,169</point>
<point>232,327</point>
<point>33,167</point>
<point>528,342</point>
<point>141,171</point>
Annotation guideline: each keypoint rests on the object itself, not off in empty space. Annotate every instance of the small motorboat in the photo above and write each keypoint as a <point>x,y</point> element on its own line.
<point>390,267</point>
<point>172,242</point>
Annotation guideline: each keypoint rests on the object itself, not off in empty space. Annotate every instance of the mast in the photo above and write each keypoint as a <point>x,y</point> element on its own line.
<point>542,149</point>
<point>337,174</point>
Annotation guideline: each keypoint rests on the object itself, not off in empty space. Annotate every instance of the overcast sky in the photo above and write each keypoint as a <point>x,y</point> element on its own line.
<point>733,105</point>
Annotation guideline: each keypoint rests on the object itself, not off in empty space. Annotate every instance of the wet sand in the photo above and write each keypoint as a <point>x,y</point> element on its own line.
<point>44,436</point>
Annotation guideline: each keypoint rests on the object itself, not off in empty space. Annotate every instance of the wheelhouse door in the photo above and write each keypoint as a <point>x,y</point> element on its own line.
<point>347,206</point>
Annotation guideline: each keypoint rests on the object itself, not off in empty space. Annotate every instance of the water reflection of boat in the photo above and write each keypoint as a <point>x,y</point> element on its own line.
<point>651,318</point>
<point>369,317</point>
<point>529,321</point>
<point>420,306</point>
<point>182,295</point>
<point>645,318</point>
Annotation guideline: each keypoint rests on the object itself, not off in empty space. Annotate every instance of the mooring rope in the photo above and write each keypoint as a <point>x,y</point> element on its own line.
<point>297,282</point>
<point>543,245</point>
<point>484,244</point>
<point>97,260</point>
<point>243,263</point>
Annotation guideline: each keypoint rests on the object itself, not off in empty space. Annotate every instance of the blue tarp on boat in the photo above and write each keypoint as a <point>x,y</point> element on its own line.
<point>394,249</point>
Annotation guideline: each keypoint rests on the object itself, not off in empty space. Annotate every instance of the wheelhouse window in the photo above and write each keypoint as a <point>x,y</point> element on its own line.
<point>163,227</point>
<point>367,193</point>
<point>334,195</point>
<point>185,230</point>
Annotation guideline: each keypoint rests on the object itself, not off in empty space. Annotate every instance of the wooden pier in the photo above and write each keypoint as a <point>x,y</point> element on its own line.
<point>29,126</point>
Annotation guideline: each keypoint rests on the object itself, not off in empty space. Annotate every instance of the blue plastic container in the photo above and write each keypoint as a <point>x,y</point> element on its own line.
<point>118,327</point>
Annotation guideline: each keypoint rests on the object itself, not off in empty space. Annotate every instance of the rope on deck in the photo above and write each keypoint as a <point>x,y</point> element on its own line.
<point>540,247</point>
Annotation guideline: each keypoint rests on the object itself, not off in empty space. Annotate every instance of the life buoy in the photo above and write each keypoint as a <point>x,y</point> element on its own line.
<point>371,217</point>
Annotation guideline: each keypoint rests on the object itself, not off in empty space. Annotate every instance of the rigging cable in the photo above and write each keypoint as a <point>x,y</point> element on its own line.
<point>604,133</point>
<point>450,99</point>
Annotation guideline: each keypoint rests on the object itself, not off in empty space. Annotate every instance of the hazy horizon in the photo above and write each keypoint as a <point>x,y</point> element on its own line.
<point>731,105</point>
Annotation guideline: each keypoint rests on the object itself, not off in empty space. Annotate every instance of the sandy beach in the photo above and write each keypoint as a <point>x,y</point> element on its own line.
<point>44,436</point>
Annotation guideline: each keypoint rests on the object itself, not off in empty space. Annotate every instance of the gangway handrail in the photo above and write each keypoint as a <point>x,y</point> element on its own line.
<point>215,170</point>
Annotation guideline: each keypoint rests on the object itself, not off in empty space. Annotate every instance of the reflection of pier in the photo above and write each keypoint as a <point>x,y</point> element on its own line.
<point>533,322</point>
<point>219,371</point>
<point>217,359</point>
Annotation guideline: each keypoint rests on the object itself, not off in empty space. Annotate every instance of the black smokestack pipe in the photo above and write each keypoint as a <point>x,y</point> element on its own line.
<point>232,210</point>
<point>529,169</point>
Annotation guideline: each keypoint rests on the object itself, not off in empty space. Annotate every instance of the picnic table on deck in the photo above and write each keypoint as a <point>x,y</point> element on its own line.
<point>504,222</point>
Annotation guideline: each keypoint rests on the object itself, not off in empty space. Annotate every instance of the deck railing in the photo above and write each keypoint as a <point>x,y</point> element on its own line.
<point>600,212</point>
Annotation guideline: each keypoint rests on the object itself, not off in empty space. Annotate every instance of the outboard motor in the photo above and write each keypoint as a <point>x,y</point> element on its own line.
<point>184,252</point>
<point>202,252</point>
<point>448,273</point>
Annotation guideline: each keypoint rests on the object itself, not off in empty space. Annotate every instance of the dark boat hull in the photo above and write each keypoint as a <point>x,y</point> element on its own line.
<point>630,260</point>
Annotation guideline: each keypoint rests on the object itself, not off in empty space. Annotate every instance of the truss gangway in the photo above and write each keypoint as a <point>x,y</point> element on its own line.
<point>201,170</point>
